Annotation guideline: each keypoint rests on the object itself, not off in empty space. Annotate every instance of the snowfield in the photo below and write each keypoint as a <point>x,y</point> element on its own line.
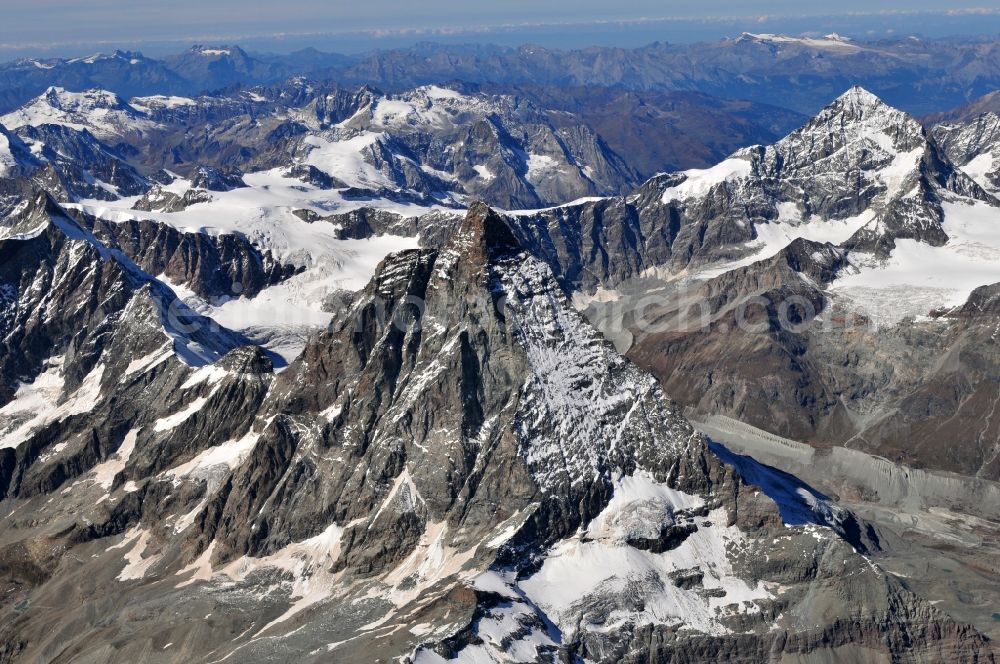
<point>280,316</point>
<point>918,277</point>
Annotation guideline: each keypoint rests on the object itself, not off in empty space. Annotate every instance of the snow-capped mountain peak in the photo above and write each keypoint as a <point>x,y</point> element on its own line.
<point>101,112</point>
<point>858,114</point>
<point>831,42</point>
<point>858,103</point>
<point>88,100</point>
<point>856,133</point>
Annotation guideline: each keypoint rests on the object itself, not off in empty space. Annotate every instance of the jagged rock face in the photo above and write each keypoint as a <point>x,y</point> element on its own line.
<point>452,469</point>
<point>433,228</point>
<point>169,197</point>
<point>751,322</point>
<point>498,148</point>
<point>210,266</point>
<point>15,157</point>
<point>158,199</point>
<point>601,242</point>
<point>429,144</point>
<point>829,159</point>
<point>975,147</point>
<point>215,180</point>
<point>333,107</point>
<point>76,315</point>
<point>857,156</point>
<point>86,167</point>
<point>71,163</point>
<point>393,367</point>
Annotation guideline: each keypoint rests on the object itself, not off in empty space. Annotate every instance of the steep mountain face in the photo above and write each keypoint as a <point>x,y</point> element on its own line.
<point>73,306</point>
<point>80,166</point>
<point>15,157</point>
<point>974,146</point>
<point>459,467</point>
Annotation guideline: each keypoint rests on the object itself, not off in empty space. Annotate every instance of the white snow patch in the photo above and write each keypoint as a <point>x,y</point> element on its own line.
<point>484,173</point>
<point>634,499</point>
<point>832,42</point>
<point>147,362</point>
<point>171,421</point>
<point>229,454</point>
<point>700,181</point>
<point>343,159</point>
<point>210,373</point>
<point>34,404</point>
<point>136,564</point>
<point>7,161</point>
<point>438,93</point>
<point>162,101</point>
<point>979,168</point>
<point>541,167</point>
<point>773,237</point>
<point>104,473</point>
<point>575,571</point>
<point>331,412</point>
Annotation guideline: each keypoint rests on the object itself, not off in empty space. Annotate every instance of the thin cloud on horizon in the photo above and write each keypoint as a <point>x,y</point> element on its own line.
<point>380,34</point>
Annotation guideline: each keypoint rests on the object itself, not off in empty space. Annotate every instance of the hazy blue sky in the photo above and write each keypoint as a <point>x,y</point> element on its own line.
<point>62,24</point>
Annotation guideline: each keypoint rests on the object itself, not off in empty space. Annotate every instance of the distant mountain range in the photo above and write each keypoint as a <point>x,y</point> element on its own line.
<point>801,74</point>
